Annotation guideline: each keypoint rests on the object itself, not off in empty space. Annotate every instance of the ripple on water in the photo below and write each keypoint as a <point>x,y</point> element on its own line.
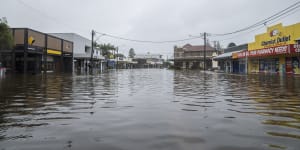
<point>150,109</point>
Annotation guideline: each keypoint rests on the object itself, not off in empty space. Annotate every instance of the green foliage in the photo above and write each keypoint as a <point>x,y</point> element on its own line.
<point>106,48</point>
<point>131,53</point>
<point>6,38</point>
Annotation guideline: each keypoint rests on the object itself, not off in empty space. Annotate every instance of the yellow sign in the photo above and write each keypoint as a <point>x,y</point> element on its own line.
<point>54,52</point>
<point>234,55</point>
<point>276,35</point>
<point>31,40</point>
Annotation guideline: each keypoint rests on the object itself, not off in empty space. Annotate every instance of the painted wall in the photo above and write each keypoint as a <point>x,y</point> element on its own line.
<point>19,36</point>
<point>276,35</point>
<point>39,38</point>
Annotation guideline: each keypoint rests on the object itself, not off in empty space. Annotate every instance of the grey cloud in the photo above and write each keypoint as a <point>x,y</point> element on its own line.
<point>145,19</point>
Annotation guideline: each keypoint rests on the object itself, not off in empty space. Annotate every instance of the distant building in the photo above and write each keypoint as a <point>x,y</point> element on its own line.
<point>192,57</point>
<point>148,61</point>
<point>82,51</point>
<point>123,62</point>
<point>35,51</point>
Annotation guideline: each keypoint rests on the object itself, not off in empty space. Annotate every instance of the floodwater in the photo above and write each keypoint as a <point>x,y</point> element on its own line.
<point>149,109</point>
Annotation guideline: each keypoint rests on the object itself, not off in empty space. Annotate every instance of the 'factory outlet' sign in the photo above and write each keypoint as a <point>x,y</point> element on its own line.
<point>275,39</point>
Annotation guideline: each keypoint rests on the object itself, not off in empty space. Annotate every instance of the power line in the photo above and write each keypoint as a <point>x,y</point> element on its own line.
<point>146,41</point>
<point>264,21</point>
<point>257,28</point>
<point>279,14</point>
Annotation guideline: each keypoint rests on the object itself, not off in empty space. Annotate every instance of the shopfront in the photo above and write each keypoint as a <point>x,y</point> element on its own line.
<point>54,54</point>
<point>276,51</point>
<point>35,52</point>
<point>239,63</point>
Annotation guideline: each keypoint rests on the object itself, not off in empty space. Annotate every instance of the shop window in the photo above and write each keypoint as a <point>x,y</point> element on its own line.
<point>269,65</point>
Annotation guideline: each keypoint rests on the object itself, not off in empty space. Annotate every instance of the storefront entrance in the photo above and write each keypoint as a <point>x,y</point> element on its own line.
<point>292,65</point>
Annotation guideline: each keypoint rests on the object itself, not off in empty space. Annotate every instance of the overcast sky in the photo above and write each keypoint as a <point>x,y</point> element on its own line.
<point>155,20</point>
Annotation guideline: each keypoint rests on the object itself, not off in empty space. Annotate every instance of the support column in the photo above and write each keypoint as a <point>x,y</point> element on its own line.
<point>62,63</point>
<point>25,60</point>
<point>45,54</point>
<point>190,65</point>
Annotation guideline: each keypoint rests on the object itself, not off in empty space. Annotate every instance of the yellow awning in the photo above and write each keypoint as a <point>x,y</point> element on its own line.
<point>54,52</point>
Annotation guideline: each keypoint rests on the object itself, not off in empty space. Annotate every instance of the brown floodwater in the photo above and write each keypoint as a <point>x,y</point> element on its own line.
<point>149,109</point>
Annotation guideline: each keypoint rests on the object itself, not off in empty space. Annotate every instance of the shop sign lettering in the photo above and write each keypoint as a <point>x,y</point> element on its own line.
<point>281,50</point>
<point>276,41</point>
<point>266,52</point>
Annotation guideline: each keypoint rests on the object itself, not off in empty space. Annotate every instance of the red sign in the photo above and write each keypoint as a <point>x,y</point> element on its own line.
<point>271,51</point>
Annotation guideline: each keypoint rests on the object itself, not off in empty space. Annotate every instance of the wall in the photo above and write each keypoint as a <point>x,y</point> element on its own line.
<point>39,38</point>
<point>79,43</point>
<point>19,36</point>
<point>53,43</point>
<point>67,46</point>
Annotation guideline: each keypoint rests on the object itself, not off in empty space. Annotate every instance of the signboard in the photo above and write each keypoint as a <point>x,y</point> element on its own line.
<point>296,48</point>
<point>54,52</point>
<point>271,51</point>
<point>276,36</point>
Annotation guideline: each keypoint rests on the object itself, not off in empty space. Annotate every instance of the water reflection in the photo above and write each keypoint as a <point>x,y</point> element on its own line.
<point>149,109</point>
<point>275,99</point>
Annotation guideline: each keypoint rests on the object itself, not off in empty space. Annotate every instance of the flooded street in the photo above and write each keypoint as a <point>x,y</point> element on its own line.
<point>149,109</point>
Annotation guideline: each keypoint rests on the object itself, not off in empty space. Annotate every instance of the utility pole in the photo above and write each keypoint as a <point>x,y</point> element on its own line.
<point>117,56</point>
<point>92,51</point>
<point>204,67</point>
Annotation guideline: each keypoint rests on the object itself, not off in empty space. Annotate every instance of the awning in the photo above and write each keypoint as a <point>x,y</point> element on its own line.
<point>226,55</point>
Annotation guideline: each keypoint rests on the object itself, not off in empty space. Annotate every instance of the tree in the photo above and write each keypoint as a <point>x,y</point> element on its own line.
<point>106,49</point>
<point>131,53</point>
<point>6,38</point>
<point>231,45</point>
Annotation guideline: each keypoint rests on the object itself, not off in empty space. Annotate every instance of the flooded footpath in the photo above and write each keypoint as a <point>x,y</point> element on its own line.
<point>149,109</point>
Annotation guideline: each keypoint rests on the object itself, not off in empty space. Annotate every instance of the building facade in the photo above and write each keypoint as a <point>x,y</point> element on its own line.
<point>226,62</point>
<point>148,61</point>
<point>276,51</point>
<point>83,52</point>
<point>192,57</point>
<point>35,51</point>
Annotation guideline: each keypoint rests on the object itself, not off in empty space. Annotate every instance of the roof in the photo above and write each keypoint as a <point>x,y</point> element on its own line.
<point>73,34</point>
<point>226,55</point>
<point>189,47</point>
<point>236,48</point>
